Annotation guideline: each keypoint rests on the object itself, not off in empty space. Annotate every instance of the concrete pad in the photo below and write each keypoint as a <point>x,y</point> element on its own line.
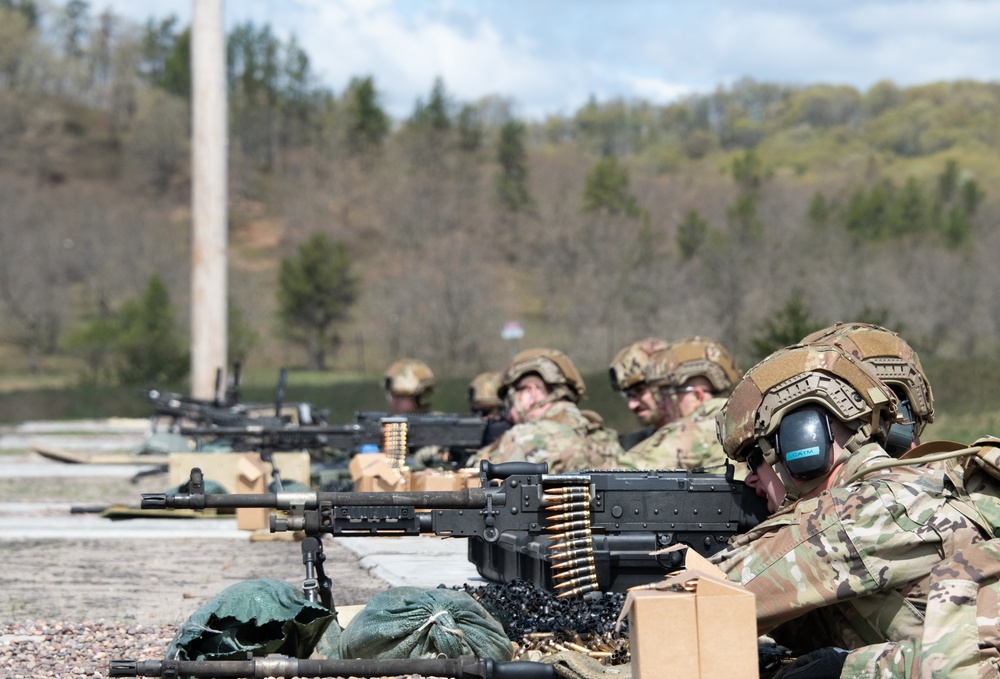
<point>77,527</point>
<point>417,561</point>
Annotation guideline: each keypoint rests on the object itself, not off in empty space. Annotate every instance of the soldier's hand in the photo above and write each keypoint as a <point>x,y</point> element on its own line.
<point>823,663</point>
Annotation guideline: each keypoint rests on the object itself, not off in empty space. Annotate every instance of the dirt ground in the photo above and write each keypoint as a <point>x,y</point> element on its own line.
<point>145,582</point>
<point>141,581</point>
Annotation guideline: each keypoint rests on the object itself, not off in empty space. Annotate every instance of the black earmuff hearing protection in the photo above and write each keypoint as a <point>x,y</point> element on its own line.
<point>804,443</point>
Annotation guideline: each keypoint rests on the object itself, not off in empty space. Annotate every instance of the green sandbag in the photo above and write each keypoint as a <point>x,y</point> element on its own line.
<point>410,622</point>
<point>256,616</point>
<point>328,645</point>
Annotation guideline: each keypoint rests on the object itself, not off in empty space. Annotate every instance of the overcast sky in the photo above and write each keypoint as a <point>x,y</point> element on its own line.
<point>551,56</point>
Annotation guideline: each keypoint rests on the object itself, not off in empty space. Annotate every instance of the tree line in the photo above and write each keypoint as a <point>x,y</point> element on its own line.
<point>746,214</point>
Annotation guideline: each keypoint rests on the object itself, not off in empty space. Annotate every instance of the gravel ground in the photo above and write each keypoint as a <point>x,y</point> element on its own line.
<point>69,606</point>
<point>36,649</point>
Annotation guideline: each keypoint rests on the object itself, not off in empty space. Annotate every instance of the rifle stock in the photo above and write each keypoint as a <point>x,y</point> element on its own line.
<point>568,533</point>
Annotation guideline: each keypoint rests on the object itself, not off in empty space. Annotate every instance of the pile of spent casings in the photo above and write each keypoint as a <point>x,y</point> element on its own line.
<point>541,624</point>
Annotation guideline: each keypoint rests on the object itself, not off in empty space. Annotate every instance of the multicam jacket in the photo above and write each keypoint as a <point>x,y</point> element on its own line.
<point>561,436</point>
<point>868,566</point>
<point>685,444</point>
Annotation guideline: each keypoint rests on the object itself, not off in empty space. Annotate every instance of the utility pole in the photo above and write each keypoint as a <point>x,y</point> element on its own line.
<point>209,283</point>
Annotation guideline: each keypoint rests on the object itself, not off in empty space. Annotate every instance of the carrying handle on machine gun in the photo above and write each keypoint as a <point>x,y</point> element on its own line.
<point>317,586</point>
<point>488,471</point>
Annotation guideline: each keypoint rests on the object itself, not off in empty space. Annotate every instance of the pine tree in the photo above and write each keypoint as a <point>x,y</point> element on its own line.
<point>512,182</point>
<point>367,123</point>
<point>607,189</point>
<point>315,291</point>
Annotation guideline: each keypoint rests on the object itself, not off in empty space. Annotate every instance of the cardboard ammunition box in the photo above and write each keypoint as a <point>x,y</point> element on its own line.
<point>252,478</point>
<point>241,473</point>
<point>470,477</point>
<point>224,467</point>
<point>432,479</point>
<point>373,473</point>
<point>696,623</point>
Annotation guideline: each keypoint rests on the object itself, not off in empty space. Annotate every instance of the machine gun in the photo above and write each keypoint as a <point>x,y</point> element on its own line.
<point>225,410</point>
<point>277,666</point>
<point>770,658</point>
<point>397,435</point>
<point>566,533</point>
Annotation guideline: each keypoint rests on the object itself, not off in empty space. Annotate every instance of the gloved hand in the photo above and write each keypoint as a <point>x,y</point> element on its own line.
<point>823,663</point>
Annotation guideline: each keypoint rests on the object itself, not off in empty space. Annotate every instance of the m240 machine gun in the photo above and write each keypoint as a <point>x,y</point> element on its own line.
<point>464,667</point>
<point>396,435</point>
<point>566,533</point>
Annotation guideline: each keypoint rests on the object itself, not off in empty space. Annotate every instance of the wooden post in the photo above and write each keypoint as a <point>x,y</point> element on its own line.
<point>209,286</point>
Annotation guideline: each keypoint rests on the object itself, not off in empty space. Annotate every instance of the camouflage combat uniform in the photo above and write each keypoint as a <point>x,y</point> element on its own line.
<point>869,566</point>
<point>560,436</point>
<point>684,444</point>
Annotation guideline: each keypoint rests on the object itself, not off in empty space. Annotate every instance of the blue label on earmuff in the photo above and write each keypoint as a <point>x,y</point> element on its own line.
<point>799,454</point>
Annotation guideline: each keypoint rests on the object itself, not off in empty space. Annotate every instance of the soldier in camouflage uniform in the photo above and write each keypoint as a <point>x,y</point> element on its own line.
<point>857,560</point>
<point>689,379</point>
<point>483,396</point>
<point>408,385</point>
<point>541,388</point>
<point>628,379</point>
<point>896,364</point>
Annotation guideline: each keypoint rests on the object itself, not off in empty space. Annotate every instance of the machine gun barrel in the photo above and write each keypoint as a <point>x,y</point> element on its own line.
<point>283,667</point>
<point>573,533</point>
<point>472,498</point>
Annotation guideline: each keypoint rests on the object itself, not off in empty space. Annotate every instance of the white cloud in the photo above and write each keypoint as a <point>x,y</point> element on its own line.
<point>550,56</point>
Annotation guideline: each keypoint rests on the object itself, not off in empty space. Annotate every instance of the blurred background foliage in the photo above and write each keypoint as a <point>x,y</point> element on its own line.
<point>752,214</point>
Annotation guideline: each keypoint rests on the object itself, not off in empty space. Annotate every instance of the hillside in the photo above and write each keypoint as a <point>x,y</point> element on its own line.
<point>707,216</point>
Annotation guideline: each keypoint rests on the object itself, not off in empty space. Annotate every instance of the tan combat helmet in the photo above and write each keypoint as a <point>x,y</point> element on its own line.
<point>891,359</point>
<point>410,377</point>
<point>554,368</point>
<point>824,375</point>
<point>483,391</point>
<point>691,357</point>
<point>626,369</point>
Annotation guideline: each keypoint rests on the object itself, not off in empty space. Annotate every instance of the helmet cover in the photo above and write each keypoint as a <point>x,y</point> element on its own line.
<point>483,391</point>
<point>794,376</point>
<point>692,357</point>
<point>890,357</point>
<point>553,367</point>
<point>409,377</point>
<point>627,367</point>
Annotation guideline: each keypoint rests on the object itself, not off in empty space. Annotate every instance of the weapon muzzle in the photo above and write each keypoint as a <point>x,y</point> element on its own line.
<point>152,501</point>
<point>178,501</point>
<point>132,668</point>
